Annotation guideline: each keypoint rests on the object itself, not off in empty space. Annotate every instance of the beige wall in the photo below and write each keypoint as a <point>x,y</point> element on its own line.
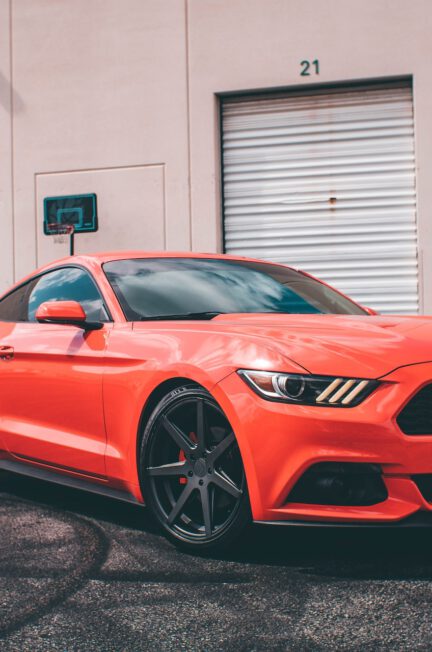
<point>102,105</point>
<point>6,191</point>
<point>119,97</point>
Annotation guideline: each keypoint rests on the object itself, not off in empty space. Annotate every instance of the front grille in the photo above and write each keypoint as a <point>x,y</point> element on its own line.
<point>416,417</point>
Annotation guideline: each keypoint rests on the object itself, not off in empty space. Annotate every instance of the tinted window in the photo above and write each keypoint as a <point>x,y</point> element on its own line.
<point>14,307</point>
<point>177,286</point>
<point>67,284</point>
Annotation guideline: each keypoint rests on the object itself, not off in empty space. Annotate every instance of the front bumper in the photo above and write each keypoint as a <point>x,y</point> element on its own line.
<point>279,442</point>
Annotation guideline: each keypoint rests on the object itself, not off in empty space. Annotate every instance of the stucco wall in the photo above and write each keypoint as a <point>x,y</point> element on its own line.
<point>120,97</point>
<point>100,102</point>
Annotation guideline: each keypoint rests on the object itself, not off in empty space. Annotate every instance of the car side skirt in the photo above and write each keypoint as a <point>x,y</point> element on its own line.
<point>420,519</point>
<point>74,483</point>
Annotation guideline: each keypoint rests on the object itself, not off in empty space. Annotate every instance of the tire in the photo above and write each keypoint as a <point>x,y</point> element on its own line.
<point>191,472</point>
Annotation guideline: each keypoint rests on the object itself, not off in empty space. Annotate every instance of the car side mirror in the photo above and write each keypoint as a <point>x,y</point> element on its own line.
<point>65,312</point>
<point>370,311</point>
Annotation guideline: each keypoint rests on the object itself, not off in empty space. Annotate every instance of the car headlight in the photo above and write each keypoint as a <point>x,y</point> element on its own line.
<point>330,391</point>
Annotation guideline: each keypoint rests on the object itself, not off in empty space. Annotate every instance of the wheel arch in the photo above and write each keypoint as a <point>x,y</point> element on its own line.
<point>154,398</point>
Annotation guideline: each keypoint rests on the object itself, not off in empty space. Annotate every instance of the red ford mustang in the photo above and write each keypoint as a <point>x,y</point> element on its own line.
<point>217,390</point>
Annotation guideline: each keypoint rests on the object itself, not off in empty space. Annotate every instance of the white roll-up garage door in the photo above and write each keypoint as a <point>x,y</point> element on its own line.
<point>325,181</point>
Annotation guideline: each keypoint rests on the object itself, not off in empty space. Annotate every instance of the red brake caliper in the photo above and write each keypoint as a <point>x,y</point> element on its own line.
<point>194,440</point>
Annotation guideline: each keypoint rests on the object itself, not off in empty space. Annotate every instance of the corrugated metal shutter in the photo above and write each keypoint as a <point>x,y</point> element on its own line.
<point>326,182</point>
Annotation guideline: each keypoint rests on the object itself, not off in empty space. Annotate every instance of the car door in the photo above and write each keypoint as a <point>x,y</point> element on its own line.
<point>51,407</point>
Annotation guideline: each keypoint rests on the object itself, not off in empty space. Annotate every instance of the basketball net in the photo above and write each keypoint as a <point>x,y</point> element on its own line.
<point>60,232</point>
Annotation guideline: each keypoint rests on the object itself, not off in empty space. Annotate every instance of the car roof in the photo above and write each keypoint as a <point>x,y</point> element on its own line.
<point>105,257</point>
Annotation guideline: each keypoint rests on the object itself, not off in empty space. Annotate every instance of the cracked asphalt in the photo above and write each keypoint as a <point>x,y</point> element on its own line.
<point>84,573</point>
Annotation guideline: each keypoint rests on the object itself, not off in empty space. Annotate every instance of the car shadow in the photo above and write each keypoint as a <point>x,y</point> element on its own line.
<point>331,553</point>
<point>83,503</point>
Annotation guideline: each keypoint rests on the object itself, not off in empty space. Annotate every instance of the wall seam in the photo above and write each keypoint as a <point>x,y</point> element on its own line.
<point>188,126</point>
<point>164,207</point>
<point>12,139</point>
<point>106,168</point>
<point>35,219</point>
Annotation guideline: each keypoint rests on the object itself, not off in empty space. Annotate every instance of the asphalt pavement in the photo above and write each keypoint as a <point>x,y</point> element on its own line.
<point>84,573</point>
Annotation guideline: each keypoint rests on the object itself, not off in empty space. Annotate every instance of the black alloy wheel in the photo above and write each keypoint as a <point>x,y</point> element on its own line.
<point>192,473</point>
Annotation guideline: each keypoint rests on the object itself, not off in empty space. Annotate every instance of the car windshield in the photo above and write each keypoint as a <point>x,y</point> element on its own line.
<point>201,288</point>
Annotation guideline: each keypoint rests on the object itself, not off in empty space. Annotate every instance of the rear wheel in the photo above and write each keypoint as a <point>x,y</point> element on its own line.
<point>192,473</point>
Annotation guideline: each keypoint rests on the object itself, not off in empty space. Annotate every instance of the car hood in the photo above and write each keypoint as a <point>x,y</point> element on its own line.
<point>363,346</point>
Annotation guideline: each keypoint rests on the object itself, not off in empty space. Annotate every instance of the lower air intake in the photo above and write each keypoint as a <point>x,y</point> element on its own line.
<point>340,483</point>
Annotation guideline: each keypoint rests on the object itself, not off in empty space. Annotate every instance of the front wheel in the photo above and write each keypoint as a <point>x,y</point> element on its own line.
<point>191,471</point>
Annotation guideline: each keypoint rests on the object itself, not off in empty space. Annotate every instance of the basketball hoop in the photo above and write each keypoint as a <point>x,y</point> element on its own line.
<point>60,233</point>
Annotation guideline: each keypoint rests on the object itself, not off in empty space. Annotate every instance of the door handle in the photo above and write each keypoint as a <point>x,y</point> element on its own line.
<point>6,352</point>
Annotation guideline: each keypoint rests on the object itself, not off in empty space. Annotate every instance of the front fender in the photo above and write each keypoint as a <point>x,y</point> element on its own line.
<point>140,358</point>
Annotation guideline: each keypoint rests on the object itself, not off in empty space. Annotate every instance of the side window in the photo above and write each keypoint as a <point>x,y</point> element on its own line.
<point>14,307</point>
<point>67,284</point>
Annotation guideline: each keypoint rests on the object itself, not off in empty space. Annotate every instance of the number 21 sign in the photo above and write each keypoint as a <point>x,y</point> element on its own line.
<point>309,68</point>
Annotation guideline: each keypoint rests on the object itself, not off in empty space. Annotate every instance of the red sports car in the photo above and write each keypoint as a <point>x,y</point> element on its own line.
<point>217,390</point>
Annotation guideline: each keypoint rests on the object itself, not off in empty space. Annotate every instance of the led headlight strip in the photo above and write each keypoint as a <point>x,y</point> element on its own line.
<point>308,389</point>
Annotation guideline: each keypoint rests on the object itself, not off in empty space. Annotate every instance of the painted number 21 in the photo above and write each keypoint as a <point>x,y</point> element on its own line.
<point>306,65</point>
